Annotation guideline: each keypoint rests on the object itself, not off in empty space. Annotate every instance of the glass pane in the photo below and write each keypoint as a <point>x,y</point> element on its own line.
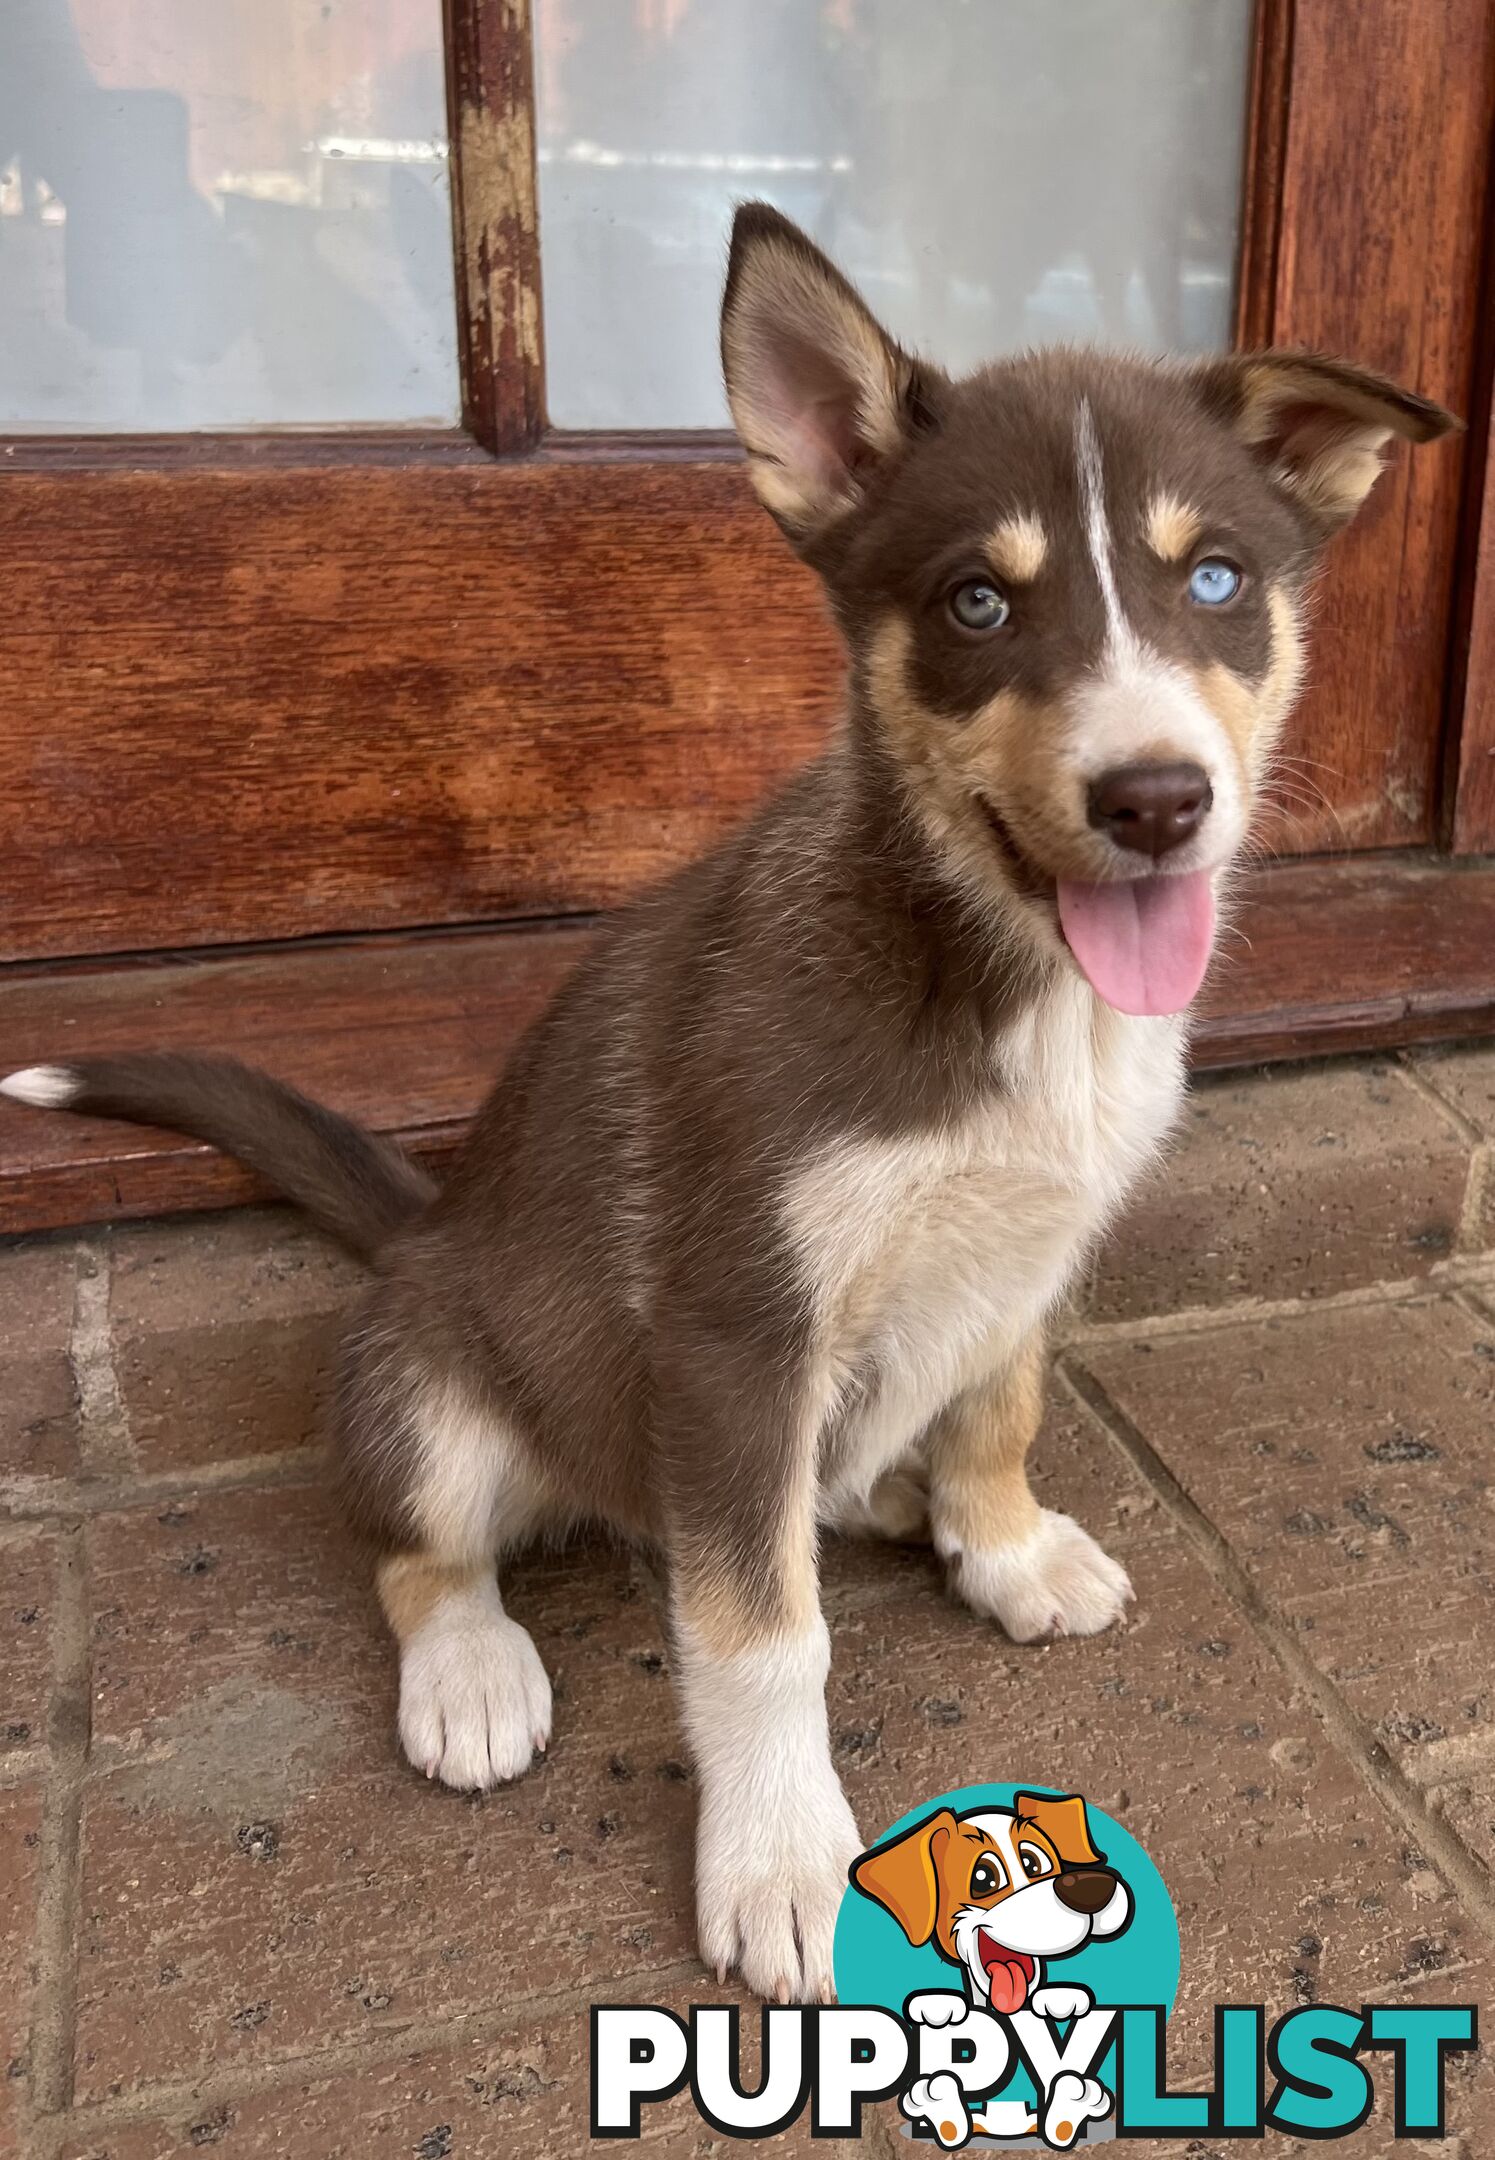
<point>223,213</point>
<point>992,173</point>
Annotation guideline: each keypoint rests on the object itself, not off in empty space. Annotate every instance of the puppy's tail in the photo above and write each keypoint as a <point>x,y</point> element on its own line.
<point>351,1183</point>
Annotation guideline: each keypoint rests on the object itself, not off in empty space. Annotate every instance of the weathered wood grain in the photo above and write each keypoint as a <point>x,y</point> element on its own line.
<point>491,104</point>
<point>252,702</point>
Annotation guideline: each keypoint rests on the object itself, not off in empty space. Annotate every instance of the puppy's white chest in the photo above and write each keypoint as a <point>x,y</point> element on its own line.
<point>929,1258</point>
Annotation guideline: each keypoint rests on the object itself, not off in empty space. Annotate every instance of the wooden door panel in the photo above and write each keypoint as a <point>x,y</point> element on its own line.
<point>1367,241</point>
<point>264,703</point>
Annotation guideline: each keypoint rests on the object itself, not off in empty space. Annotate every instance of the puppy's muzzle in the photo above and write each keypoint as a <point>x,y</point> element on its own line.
<point>1086,1890</point>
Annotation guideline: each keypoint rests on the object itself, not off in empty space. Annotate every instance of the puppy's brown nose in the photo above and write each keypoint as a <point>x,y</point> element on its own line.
<point>1150,808</point>
<point>1085,1890</point>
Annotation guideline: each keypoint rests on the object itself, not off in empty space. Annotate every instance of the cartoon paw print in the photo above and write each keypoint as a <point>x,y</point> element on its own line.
<point>939,2103</point>
<point>1072,2102</point>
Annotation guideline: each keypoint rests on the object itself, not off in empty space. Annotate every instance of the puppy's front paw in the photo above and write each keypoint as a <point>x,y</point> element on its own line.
<point>768,1892</point>
<point>474,1698</point>
<point>1056,1582</point>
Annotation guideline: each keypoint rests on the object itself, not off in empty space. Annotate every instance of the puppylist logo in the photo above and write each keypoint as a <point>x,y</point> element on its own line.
<point>1006,1960</point>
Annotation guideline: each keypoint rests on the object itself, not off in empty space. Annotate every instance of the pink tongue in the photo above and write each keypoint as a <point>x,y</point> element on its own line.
<point>1143,946</point>
<point>1009,1987</point>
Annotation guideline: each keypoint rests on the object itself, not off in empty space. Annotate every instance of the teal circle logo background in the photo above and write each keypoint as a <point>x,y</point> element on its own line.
<point>876,1963</point>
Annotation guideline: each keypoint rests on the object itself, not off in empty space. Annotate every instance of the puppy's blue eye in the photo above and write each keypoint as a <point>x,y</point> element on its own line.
<point>978,605</point>
<point>1214,581</point>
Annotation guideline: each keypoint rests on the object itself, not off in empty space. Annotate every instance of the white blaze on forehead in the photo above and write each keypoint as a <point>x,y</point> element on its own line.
<point>1120,638</point>
<point>1137,706</point>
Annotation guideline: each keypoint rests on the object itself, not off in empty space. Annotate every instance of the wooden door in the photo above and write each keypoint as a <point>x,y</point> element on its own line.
<point>324,745</point>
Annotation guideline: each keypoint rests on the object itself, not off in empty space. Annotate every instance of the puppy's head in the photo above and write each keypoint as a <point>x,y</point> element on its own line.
<point>998,1891</point>
<point>1071,585</point>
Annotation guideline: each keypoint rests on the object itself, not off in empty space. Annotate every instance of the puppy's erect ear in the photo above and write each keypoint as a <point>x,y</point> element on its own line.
<point>1319,425</point>
<point>1063,1822</point>
<point>904,1876</point>
<point>819,392</point>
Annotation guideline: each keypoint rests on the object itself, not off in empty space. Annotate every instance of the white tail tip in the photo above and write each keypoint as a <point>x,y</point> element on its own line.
<point>49,1087</point>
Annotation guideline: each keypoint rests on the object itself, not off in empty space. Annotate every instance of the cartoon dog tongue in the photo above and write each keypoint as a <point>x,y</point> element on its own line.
<point>1006,1974</point>
<point>1144,945</point>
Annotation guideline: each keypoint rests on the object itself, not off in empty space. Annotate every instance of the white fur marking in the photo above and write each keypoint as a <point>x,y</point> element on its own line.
<point>928,1260</point>
<point>1119,635</point>
<point>774,1835</point>
<point>47,1087</point>
<point>474,1697</point>
<point>1139,705</point>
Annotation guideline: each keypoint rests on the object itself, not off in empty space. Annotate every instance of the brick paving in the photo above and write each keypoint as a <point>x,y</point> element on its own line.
<point>236,1923</point>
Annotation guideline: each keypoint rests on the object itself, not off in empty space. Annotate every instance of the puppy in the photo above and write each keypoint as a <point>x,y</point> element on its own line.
<point>773,1202</point>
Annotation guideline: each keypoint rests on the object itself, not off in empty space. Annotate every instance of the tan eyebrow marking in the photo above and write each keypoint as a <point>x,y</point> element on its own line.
<point>1171,526</point>
<point>1018,548</point>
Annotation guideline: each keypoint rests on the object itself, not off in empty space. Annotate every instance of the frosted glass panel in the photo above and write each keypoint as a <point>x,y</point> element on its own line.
<point>223,213</point>
<point>993,173</point>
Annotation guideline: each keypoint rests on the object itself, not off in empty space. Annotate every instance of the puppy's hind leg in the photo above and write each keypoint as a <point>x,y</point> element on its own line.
<point>474,1697</point>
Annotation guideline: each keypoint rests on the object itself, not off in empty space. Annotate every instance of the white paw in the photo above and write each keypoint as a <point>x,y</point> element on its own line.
<point>1060,2004</point>
<point>768,1891</point>
<point>1057,1582</point>
<point>474,1697</point>
<point>939,2007</point>
<point>939,2103</point>
<point>1072,2102</point>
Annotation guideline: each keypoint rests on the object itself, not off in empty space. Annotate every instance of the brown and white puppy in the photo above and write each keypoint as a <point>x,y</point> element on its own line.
<point>772,1203</point>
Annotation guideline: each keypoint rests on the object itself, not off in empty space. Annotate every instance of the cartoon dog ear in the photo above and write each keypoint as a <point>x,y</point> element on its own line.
<point>903,1875</point>
<point>1064,1823</point>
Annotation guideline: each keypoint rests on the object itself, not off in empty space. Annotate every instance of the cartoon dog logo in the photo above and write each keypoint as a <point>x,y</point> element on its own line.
<point>1001,1893</point>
